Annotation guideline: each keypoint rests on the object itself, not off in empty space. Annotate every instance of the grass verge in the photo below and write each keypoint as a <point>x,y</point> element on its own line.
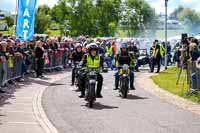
<point>167,80</point>
<point>9,32</point>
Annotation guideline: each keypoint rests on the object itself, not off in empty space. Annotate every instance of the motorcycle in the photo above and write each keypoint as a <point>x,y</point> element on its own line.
<point>77,75</point>
<point>124,79</point>
<point>108,60</point>
<point>91,80</point>
<point>105,66</point>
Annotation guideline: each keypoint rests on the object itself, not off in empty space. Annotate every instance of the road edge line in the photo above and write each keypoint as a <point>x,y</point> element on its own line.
<point>39,112</point>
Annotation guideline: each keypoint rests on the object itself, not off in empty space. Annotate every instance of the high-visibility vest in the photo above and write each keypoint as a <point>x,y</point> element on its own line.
<point>162,50</point>
<point>152,50</point>
<point>109,51</point>
<point>93,63</point>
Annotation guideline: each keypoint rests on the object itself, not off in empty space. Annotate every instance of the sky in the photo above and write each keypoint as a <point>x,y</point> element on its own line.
<point>159,5</point>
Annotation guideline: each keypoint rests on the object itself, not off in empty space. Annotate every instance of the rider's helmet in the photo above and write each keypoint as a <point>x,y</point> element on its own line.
<point>108,43</point>
<point>78,45</point>
<point>124,46</point>
<point>92,46</point>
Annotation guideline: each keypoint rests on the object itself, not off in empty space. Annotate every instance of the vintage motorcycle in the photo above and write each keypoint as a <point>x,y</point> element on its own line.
<point>124,80</point>
<point>91,85</point>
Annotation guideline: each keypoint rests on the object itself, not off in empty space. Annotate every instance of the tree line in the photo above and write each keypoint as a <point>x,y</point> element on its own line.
<point>96,17</point>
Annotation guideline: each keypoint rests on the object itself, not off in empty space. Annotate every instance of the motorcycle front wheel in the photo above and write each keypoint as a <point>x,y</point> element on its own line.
<point>91,95</point>
<point>125,88</point>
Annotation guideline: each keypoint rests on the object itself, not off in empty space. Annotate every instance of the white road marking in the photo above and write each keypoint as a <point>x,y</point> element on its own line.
<point>21,122</point>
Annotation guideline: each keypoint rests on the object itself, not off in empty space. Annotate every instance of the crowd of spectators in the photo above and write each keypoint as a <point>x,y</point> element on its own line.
<point>29,56</point>
<point>187,50</point>
<point>187,55</point>
<point>19,58</point>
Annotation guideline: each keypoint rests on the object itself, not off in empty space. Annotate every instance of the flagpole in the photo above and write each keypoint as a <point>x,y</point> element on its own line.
<point>15,22</point>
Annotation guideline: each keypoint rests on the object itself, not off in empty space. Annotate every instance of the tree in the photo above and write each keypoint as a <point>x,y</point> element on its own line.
<point>174,14</point>
<point>42,19</point>
<point>83,20</point>
<point>108,12</point>
<point>9,20</point>
<point>100,17</point>
<point>138,15</point>
<point>189,17</point>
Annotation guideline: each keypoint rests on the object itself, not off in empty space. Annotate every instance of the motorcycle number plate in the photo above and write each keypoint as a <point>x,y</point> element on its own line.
<point>124,75</point>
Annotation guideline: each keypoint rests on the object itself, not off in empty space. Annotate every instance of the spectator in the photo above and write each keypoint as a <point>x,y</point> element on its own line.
<point>195,52</point>
<point>39,56</point>
<point>2,60</point>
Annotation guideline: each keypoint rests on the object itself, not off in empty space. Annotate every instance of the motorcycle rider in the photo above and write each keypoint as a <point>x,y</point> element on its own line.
<point>92,59</point>
<point>132,48</point>
<point>124,58</point>
<point>109,55</point>
<point>76,57</point>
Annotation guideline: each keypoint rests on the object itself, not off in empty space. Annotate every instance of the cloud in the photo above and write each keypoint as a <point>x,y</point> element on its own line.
<point>160,5</point>
<point>51,3</point>
<point>8,5</point>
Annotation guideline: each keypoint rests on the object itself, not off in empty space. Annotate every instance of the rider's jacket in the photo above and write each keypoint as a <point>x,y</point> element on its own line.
<point>124,58</point>
<point>95,62</point>
<point>89,61</point>
<point>133,49</point>
<point>77,56</point>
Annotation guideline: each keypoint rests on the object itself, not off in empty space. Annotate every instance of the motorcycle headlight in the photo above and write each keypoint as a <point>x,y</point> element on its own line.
<point>92,74</point>
<point>125,67</point>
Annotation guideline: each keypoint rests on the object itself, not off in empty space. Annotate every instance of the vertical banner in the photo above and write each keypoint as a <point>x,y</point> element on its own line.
<point>25,19</point>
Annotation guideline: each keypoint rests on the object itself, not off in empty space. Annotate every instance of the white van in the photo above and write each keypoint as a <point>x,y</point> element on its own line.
<point>4,27</point>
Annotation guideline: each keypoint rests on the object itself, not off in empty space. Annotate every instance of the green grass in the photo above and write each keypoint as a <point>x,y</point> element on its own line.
<point>10,31</point>
<point>53,32</point>
<point>167,80</point>
<point>49,32</point>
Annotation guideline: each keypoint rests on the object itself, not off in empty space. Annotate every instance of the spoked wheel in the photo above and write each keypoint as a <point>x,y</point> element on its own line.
<point>125,89</point>
<point>91,95</point>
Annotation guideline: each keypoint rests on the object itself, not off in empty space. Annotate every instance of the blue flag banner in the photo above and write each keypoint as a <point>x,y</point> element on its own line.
<point>25,19</point>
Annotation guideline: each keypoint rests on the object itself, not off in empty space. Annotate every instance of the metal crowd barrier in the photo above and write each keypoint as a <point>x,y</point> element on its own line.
<point>193,73</point>
<point>55,59</point>
<point>11,69</point>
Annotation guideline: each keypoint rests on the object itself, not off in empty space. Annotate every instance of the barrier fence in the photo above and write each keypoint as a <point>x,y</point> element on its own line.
<point>193,73</point>
<point>14,67</point>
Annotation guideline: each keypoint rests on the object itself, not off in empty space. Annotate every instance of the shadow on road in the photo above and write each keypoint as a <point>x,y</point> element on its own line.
<point>99,106</point>
<point>134,97</point>
<point>57,84</point>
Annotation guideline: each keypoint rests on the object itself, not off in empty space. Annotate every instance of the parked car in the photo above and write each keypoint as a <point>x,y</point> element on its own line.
<point>143,58</point>
<point>53,27</point>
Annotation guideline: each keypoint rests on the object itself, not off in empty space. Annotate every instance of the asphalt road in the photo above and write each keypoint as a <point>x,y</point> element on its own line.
<point>139,113</point>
